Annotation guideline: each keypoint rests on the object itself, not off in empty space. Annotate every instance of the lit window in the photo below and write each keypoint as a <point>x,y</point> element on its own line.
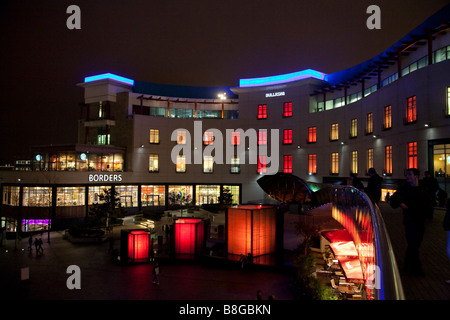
<point>335,163</point>
<point>354,128</point>
<point>181,137</point>
<point>312,163</point>
<point>208,164</point>
<point>262,164</point>
<point>262,111</point>
<point>334,134</point>
<point>312,137</point>
<point>235,138</point>
<point>412,155</point>
<point>287,164</point>
<point>208,138</point>
<point>153,163</point>
<point>369,123</point>
<point>154,136</point>
<point>287,109</point>
<point>287,138</point>
<point>411,112</point>
<point>181,164</point>
<point>262,137</point>
<point>103,136</point>
<point>387,121</point>
<point>354,168</point>
<point>235,166</point>
<point>448,102</point>
<point>388,160</point>
<point>369,159</point>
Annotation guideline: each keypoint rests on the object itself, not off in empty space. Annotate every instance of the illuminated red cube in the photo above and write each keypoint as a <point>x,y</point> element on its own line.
<point>135,246</point>
<point>251,229</point>
<point>189,237</point>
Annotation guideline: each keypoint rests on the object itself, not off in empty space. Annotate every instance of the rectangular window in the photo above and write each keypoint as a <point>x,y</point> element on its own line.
<point>447,113</point>
<point>312,163</point>
<point>262,137</point>
<point>181,164</point>
<point>103,137</point>
<point>287,164</point>
<point>154,136</point>
<point>153,163</point>
<point>181,136</point>
<point>354,168</point>
<point>262,111</point>
<point>388,160</point>
<point>70,196</point>
<point>208,164</point>
<point>387,119</point>
<point>208,138</point>
<point>369,159</point>
<point>369,123</point>
<point>128,195</point>
<point>287,137</point>
<point>287,109</point>
<point>411,112</point>
<point>412,155</point>
<point>37,197</point>
<point>153,195</point>
<point>354,128</point>
<point>235,166</point>
<point>11,195</point>
<point>335,163</point>
<point>235,138</point>
<point>95,193</point>
<point>262,164</point>
<point>334,133</point>
<point>312,137</point>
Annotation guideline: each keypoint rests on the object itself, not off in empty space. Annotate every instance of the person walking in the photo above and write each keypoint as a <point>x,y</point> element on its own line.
<point>413,200</point>
<point>155,273</point>
<point>446,225</point>
<point>373,189</point>
<point>30,243</point>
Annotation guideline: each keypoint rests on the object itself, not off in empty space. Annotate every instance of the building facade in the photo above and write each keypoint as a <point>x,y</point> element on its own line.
<point>162,146</point>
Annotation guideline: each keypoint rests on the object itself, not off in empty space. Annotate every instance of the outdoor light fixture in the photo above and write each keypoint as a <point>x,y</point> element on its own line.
<point>222,95</point>
<point>189,237</point>
<point>109,76</point>
<point>283,78</point>
<point>135,246</point>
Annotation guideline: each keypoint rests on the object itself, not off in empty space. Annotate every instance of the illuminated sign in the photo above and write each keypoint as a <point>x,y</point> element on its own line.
<point>283,78</point>
<point>275,94</point>
<point>105,177</point>
<point>109,76</point>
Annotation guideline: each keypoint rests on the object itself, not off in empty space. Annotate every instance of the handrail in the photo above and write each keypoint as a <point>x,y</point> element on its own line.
<point>363,220</point>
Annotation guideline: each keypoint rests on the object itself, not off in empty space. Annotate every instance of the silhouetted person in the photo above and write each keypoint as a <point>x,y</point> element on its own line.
<point>356,182</point>
<point>259,295</point>
<point>413,200</point>
<point>373,189</point>
<point>155,273</point>
<point>431,186</point>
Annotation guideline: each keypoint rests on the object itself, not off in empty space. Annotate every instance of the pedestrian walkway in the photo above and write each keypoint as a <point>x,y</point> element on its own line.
<point>432,254</point>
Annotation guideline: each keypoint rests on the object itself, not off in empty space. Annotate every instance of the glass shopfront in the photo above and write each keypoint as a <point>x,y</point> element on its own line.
<point>153,195</point>
<point>70,196</point>
<point>180,194</point>
<point>37,196</point>
<point>128,195</point>
<point>207,194</point>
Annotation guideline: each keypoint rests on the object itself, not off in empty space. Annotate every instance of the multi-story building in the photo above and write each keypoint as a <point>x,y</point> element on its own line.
<point>162,145</point>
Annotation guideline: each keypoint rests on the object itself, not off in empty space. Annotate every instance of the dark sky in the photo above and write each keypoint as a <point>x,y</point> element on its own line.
<point>193,42</point>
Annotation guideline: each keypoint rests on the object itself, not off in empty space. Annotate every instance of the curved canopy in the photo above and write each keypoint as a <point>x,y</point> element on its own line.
<point>286,188</point>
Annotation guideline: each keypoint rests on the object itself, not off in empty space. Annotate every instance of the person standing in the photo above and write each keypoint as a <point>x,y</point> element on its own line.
<point>155,273</point>
<point>373,189</point>
<point>413,200</point>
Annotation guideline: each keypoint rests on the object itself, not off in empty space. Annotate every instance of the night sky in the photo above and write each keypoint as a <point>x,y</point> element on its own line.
<point>195,42</point>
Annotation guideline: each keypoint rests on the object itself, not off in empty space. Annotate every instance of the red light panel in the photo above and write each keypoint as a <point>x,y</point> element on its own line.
<point>138,245</point>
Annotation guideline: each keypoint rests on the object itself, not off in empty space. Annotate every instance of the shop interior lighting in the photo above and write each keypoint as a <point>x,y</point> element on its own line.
<point>109,76</point>
<point>283,78</point>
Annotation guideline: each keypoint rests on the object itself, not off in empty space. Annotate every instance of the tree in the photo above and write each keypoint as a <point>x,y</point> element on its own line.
<point>226,199</point>
<point>108,207</point>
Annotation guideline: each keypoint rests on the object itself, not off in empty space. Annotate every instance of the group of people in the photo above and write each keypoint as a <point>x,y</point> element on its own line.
<point>417,199</point>
<point>37,244</point>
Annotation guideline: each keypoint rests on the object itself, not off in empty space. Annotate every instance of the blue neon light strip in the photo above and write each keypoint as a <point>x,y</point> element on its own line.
<point>283,78</point>
<point>109,76</point>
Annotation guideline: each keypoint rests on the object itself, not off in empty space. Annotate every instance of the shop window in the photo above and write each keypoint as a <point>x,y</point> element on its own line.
<point>128,195</point>
<point>312,163</point>
<point>153,163</point>
<point>154,136</point>
<point>37,197</point>
<point>412,155</point>
<point>287,136</point>
<point>312,134</point>
<point>207,194</point>
<point>287,164</point>
<point>262,111</point>
<point>94,193</point>
<point>287,109</point>
<point>11,195</point>
<point>411,111</point>
<point>180,194</point>
<point>70,196</point>
<point>234,190</point>
<point>153,195</point>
